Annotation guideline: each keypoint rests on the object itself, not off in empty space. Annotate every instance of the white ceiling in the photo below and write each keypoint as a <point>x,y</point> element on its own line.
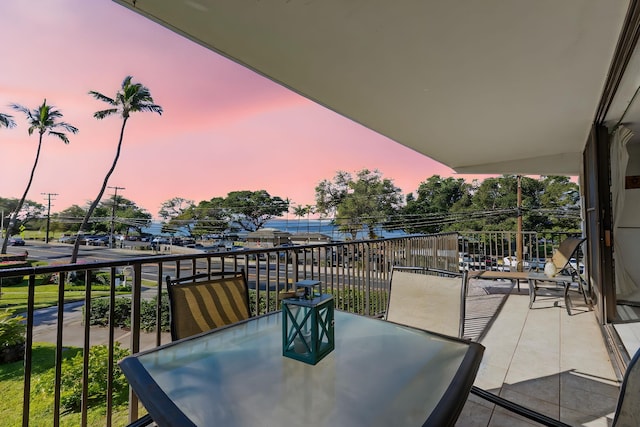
<point>492,86</point>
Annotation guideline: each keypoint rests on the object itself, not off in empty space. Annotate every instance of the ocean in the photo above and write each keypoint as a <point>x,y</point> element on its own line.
<point>301,225</point>
<point>324,226</point>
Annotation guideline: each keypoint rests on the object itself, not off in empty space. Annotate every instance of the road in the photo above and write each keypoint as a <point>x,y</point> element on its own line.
<point>61,253</point>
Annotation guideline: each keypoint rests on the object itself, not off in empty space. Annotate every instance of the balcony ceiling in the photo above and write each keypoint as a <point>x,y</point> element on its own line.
<point>493,86</point>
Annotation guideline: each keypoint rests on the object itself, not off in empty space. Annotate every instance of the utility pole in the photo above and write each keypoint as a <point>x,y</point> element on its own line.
<point>113,212</point>
<point>519,240</point>
<point>46,239</point>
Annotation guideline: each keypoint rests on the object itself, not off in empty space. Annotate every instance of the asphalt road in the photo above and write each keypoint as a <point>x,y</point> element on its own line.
<point>45,320</point>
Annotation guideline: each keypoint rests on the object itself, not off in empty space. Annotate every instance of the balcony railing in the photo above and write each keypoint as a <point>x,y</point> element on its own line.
<point>356,273</point>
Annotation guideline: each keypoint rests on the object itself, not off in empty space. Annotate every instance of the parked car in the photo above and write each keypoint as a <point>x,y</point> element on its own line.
<point>16,241</point>
<point>512,262</point>
<point>98,241</point>
<point>574,264</point>
<point>67,239</point>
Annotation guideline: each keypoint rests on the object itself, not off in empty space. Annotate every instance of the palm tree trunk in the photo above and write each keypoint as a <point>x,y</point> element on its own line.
<point>85,221</point>
<point>14,215</point>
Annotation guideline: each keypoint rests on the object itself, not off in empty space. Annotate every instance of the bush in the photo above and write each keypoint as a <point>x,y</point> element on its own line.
<point>99,315</point>
<point>262,306</point>
<point>355,300</point>
<point>100,280</point>
<point>71,384</point>
<point>12,329</point>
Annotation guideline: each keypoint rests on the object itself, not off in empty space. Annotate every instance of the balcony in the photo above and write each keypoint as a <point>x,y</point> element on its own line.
<point>541,358</point>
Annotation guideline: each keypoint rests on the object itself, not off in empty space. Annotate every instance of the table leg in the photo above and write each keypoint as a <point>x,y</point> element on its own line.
<point>532,291</point>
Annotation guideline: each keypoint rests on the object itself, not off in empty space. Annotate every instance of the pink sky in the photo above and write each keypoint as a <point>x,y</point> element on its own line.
<point>224,128</point>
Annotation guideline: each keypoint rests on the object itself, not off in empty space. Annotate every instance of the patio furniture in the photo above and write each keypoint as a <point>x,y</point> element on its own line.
<point>198,306</point>
<point>627,410</point>
<point>566,273</point>
<point>429,299</point>
<point>379,374</point>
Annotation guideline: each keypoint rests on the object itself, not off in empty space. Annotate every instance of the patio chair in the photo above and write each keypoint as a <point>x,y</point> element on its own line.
<point>197,306</point>
<point>627,412</point>
<point>561,259</point>
<point>428,299</point>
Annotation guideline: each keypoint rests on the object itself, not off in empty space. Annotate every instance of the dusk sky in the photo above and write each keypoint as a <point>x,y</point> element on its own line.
<point>224,128</point>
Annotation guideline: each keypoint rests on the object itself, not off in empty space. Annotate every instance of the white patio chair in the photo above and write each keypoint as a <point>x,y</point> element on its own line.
<point>428,299</point>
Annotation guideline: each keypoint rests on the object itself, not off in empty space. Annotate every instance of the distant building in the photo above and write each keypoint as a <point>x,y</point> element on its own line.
<point>310,238</point>
<point>267,238</point>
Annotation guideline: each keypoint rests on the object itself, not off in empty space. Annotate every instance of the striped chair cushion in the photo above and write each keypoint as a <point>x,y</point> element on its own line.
<point>209,304</point>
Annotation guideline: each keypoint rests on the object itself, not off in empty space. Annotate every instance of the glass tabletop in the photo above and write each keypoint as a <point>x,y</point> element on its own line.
<point>379,374</point>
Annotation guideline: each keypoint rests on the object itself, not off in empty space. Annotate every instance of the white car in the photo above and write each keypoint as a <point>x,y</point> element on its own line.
<point>512,262</point>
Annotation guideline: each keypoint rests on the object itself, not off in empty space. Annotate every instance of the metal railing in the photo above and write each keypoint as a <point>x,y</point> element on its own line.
<point>356,273</point>
<point>496,250</point>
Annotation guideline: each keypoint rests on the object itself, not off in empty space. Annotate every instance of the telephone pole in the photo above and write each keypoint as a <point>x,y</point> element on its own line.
<point>113,212</point>
<point>519,239</point>
<point>46,239</point>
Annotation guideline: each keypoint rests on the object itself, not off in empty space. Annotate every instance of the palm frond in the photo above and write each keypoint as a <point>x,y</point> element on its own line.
<point>20,108</point>
<point>60,135</point>
<point>126,81</point>
<point>67,127</point>
<point>101,97</point>
<point>105,113</point>
<point>153,108</point>
<point>7,120</point>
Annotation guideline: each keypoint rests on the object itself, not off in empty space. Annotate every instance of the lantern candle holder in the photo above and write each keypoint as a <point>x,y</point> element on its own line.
<point>308,323</point>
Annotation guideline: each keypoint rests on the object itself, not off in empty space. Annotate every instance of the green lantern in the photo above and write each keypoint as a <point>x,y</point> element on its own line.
<point>307,323</point>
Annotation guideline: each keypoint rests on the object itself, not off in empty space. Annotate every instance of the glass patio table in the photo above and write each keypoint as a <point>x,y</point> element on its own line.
<point>379,374</point>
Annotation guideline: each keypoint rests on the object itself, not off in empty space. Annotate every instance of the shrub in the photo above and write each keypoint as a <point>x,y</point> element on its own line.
<point>12,329</point>
<point>99,315</point>
<point>12,281</point>
<point>262,306</point>
<point>71,384</point>
<point>355,300</point>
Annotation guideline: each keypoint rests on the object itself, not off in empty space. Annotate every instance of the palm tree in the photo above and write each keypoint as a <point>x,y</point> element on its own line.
<point>43,119</point>
<point>131,98</point>
<point>6,121</point>
<point>299,211</point>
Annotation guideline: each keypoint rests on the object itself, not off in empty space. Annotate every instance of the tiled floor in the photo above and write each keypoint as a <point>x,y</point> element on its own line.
<point>546,360</point>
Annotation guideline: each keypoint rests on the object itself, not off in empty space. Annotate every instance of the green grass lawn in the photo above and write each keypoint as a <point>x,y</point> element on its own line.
<point>41,410</point>
<point>14,298</point>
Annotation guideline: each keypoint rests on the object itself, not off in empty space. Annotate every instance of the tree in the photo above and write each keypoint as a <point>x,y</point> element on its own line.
<point>209,217</point>
<point>177,213</point>
<point>126,216</point>
<point>300,211</point>
<point>364,202</point>
<point>250,210</point>
<point>131,98</point>
<point>69,219</point>
<point>43,119</point>
<point>436,197</point>
<point>30,212</point>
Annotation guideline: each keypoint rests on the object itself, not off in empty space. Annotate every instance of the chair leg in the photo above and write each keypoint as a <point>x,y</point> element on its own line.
<point>567,299</point>
<point>517,409</point>
<point>141,422</point>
